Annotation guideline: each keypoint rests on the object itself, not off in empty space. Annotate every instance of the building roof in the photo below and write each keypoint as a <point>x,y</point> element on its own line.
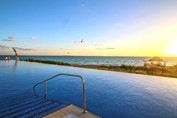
<point>156,59</point>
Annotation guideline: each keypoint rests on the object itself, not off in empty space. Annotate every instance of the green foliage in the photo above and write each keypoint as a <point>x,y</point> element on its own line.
<point>170,71</point>
<point>47,62</point>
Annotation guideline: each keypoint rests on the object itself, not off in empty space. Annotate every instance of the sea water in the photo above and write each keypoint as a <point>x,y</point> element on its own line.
<point>99,60</point>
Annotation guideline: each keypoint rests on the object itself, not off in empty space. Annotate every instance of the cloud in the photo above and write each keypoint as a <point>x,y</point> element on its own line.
<point>65,49</point>
<point>24,49</point>
<point>33,38</point>
<point>110,48</point>
<point>18,48</point>
<point>10,38</point>
<point>106,48</point>
<point>3,46</point>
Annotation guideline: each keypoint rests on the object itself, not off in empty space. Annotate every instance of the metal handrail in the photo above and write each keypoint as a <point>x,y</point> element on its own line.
<point>45,87</point>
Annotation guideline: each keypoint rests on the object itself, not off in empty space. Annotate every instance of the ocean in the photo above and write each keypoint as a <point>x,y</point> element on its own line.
<point>98,60</point>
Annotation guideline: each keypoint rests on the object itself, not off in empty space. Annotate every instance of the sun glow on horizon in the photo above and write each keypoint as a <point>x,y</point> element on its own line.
<point>172,49</point>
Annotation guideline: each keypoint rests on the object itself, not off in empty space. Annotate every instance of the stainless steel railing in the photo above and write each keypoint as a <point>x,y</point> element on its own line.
<point>45,87</point>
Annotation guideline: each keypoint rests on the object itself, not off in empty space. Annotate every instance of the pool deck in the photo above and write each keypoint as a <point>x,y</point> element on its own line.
<point>71,111</point>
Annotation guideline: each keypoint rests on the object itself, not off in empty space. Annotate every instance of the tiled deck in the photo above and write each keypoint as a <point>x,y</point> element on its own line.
<point>71,111</point>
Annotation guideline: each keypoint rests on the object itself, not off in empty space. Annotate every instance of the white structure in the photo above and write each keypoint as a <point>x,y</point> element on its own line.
<point>155,61</point>
<point>16,55</point>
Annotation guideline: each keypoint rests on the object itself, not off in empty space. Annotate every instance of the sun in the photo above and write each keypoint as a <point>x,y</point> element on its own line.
<point>172,49</point>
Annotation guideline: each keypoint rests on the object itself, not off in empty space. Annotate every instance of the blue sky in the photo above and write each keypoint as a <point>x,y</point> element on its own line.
<point>107,27</point>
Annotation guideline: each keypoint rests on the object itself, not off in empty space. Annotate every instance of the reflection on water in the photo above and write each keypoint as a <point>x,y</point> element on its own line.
<point>15,65</point>
<point>12,64</point>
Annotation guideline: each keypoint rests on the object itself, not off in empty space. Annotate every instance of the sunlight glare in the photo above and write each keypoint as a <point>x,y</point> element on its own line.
<point>172,49</point>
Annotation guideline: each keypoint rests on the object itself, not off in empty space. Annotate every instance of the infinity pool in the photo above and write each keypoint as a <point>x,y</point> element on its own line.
<point>109,94</point>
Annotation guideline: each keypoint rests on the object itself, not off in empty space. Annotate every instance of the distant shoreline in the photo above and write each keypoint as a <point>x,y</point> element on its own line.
<point>85,55</point>
<point>169,71</point>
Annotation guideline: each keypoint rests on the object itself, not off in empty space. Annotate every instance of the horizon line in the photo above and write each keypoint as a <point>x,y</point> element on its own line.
<point>88,55</point>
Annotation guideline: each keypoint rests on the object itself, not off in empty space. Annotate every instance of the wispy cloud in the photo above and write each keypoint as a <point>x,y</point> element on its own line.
<point>68,53</point>
<point>106,48</point>
<point>25,49</point>
<point>18,48</point>
<point>10,38</point>
<point>33,38</point>
<point>3,46</point>
<point>67,49</point>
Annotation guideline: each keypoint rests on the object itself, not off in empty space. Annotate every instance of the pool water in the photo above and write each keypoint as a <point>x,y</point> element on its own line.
<point>109,94</point>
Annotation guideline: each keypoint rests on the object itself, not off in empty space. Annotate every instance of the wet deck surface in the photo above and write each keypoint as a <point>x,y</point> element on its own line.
<point>71,111</point>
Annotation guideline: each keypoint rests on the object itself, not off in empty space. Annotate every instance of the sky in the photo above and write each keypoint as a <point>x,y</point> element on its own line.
<point>89,27</point>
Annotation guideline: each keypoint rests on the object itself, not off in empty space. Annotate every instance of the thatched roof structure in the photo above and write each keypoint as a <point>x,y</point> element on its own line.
<point>156,59</point>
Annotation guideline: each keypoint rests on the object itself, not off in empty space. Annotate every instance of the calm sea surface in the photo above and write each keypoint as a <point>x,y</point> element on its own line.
<point>98,60</point>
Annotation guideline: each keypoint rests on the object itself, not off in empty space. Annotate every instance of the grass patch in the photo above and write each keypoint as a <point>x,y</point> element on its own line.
<point>170,71</point>
<point>46,62</point>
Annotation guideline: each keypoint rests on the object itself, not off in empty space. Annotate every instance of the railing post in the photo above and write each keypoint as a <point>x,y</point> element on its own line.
<point>83,88</point>
<point>45,90</point>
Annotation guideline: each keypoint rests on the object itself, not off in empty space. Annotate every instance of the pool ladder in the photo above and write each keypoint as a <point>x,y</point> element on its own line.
<point>63,74</point>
